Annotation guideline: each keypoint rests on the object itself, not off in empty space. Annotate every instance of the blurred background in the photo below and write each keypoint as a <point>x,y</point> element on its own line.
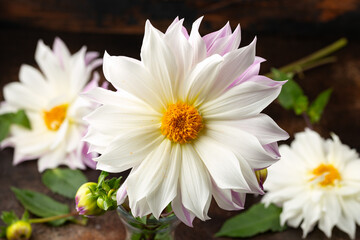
<point>286,30</point>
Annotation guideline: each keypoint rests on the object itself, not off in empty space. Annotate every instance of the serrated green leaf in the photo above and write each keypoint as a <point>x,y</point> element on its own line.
<point>257,219</point>
<point>64,181</point>
<point>41,205</point>
<point>317,107</point>
<point>9,217</point>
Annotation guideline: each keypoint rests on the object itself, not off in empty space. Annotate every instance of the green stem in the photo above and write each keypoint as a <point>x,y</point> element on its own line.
<point>314,59</point>
<point>52,218</point>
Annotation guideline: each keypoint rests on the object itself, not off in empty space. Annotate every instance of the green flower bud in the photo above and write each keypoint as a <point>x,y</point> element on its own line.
<point>19,230</point>
<point>86,201</point>
<point>261,176</point>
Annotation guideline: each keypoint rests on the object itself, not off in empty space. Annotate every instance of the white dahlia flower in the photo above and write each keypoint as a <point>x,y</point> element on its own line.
<point>51,101</point>
<point>316,181</point>
<point>186,120</point>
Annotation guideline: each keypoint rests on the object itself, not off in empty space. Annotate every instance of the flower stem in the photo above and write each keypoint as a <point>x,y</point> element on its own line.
<point>52,218</point>
<point>313,60</point>
<point>307,120</point>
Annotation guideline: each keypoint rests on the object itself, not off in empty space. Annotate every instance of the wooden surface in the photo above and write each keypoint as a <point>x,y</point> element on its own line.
<point>21,27</point>
<point>128,16</point>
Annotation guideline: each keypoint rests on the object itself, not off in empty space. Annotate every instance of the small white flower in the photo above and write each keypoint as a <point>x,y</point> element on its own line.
<point>52,103</point>
<point>186,119</point>
<point>316,181</point>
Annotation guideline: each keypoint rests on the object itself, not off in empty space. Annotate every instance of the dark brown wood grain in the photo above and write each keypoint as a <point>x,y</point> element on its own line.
<point>128,16</point>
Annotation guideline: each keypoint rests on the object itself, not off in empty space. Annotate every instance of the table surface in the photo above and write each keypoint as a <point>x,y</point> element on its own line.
<point>342,116</point>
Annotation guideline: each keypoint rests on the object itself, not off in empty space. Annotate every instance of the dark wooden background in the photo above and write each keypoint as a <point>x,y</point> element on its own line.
<point>287,30</point>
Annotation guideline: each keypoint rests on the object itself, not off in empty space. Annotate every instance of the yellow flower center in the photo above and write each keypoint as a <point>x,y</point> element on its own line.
<point>330,173</point>
<point>55,117</point>
<point>181,123</point>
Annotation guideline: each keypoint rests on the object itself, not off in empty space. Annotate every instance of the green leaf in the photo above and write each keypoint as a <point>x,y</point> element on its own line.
<point>317,107</point>
<point>7,119</point>
<point>257,219</point>
<point>25,216</point>
<point>4,128</point>
<point>41,205</point>
<point>21,119</point>
<point>64,181</point>
<point>292,95</point>
<point>301,104</point>
<point>3,232</point>
<point>142,220</point>
<point>102,177</point>
<point>9,217</point>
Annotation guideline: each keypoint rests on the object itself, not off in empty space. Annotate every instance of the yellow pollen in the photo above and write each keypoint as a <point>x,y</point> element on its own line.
<point>55,117</point>
<point>331,174</point>
<point>181,123</point>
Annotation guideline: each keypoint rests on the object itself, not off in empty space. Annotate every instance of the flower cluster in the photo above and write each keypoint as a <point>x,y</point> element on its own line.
<point>186,119</point>
<point>316,182</point>
<point>52,103</point>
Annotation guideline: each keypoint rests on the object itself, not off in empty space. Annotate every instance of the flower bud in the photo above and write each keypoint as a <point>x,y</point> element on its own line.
<point>19,230</point>
<point>86,201</point>
<point>261,176</point>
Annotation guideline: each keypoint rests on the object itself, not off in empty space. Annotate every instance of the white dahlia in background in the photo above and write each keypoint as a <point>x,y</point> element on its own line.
<point>52,103</point>
<point>316,181</point>
<point>186,119</point>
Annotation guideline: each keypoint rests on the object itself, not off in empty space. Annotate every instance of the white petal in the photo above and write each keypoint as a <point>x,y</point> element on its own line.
<point>243,144</point>
<point>194,183</point>
<point>30,145</point>
<point>311,214</point>
<point>226,44</point>
<point>61,52</point>
<point>167,189</point>
<point>242,101</point>
<point>98,141</point>
<point>197,43</point>
<point>79,75</point>
<point>74,138</point>
<point>309,146</point>
<point>346,221</point>
<point>159,59</point>
<point>235,63</point>
<point>121,194</point>
<point>201,80</point>
<point>331,214</point>
<point>181,212</point>
<point>22,97</point>
<point>250,72</point>
<point>33,80</point>
<point>225,198</point>
<point>119,119</point>
<point>131,75</point>
<point>183,55</point>
<point>49,65</point>
<point>212,37</point>
<point>129,149</point>
<point>221,163</point>
<point>261,126</point>
<point>143,181</point>
<point>52,159</point>
<point>61,134</point>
